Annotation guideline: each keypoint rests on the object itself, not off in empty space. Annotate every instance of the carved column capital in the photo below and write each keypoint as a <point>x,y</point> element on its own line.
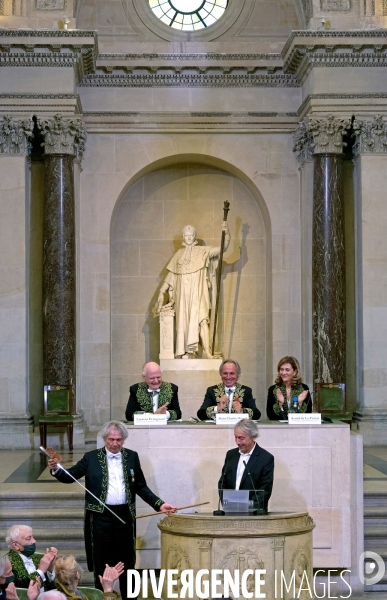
<point>328,134</point>
<point>302,142</point>
<point>370,136</point>
<point>63,136</point>
<point>14,135</point>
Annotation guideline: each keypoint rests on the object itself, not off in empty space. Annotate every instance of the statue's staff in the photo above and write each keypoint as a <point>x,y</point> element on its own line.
<point>51,453</point>
<point>226,208</point>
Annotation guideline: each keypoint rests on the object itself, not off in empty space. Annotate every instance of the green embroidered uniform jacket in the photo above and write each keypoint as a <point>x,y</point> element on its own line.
<point>140,400</point>
<point>22,577</point>
<point>273,409</point>
<point>215,392</point>
<point>93,466</point>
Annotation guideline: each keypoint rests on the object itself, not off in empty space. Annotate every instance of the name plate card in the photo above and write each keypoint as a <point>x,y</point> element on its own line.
<point>230,418</point>
<point>304,418</point>
<point>149,419</point>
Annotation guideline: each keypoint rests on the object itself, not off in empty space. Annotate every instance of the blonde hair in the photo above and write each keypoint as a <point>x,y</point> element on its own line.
<point>293,362</point>
<point>66,570</point>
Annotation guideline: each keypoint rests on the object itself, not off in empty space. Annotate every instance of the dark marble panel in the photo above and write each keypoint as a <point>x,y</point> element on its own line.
<point>328,270</point>
<point>59,272</point>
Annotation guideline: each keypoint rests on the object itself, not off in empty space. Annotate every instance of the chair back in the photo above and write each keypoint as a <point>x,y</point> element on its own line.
<point>58,400</point>
<point>22,593</point>
<point>331,397</point>
<point>91,593</point>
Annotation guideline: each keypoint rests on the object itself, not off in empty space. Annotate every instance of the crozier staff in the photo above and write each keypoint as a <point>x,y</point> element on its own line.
<point>288,394</point>
<point>114,475</point>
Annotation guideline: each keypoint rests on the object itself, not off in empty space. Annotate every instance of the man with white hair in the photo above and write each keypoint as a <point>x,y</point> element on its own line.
<point>248,466</point>
<point>26,565</point>
<point>113,474</point>
<point>7,585</point>
<point>153,395</point>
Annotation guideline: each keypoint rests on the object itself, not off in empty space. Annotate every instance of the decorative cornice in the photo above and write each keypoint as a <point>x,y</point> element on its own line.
<point>188,56</point>
<point>370,136</point>
<point>41,48</point>
<point>305,50</point>
<point>14,136</point>
<point>350,97</point>
<point>63,136</point>
<point>185,80</point>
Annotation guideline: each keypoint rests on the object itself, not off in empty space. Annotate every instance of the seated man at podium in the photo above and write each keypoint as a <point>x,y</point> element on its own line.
<point>248,467</point>
<point>229,396</point>
<point>153,395</point>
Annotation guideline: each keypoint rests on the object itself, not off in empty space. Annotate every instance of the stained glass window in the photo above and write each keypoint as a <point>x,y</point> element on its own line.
<point>188,15</point>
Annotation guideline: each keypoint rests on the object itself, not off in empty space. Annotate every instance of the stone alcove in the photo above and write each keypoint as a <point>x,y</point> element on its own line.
<point>146,231</point>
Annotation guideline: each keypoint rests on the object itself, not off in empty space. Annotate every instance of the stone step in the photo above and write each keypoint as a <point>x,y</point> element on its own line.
<point>379,512</point>
<point>32,500</point>
<point>55,518</point>
<point>377,498</point>
<point>60,538</point>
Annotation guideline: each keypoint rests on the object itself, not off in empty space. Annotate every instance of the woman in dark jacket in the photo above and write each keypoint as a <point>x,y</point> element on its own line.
<point>288,394</point>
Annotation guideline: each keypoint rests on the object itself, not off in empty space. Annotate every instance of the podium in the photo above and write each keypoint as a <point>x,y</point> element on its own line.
<point>278,543</point>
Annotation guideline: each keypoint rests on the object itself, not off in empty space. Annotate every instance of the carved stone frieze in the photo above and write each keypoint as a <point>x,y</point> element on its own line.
<point>63,136</point>
<point>50,4</point>
<point>14,135</point>
<point>370,136</point>
<point>241,559</point>
<point>302,142</point>
<point>188,56</point>
<point>328,134</point>
<point>335,5</point>
<point>188,80</point>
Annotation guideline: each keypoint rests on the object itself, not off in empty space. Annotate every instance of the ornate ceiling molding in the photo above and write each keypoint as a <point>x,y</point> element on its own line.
<point>14,135</point>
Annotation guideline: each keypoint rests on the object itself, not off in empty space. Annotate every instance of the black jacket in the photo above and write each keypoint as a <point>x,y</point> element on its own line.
<point>242,392</point>
<point>271,400</point>
<point>260,467</point>
<point>140,401</point>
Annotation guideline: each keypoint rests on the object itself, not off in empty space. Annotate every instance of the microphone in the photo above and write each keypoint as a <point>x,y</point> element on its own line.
<point>252,483</point>
<point>220,512</point>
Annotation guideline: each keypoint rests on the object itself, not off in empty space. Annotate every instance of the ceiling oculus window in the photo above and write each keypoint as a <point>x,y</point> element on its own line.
<point>188,15</point>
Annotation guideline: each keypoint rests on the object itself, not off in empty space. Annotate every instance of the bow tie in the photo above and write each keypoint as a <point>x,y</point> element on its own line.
<point>111,455</point>
<point>154,391</point>
<point>231,389</point>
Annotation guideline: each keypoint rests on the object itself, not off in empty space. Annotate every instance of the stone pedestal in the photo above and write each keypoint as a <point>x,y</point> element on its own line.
<point>278,542</point>
<point>192,376</point>
<point>167,349</point>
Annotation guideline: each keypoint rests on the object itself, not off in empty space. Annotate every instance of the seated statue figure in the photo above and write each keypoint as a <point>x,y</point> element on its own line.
<point>191,286</point>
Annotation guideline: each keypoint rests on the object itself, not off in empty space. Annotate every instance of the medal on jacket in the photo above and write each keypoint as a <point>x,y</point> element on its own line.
<point>132,475</point>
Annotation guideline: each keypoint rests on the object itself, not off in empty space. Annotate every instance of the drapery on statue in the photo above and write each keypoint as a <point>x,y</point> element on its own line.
<point>191,286</point>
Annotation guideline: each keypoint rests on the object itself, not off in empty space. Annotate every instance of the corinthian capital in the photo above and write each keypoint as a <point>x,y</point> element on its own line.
<point>302,142</point>
<point>14,136</point>
<point>63,136</point>
<point>328,134</point>
<point>371,136</point>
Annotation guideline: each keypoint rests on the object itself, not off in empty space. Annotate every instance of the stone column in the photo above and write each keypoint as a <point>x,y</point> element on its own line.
<point>328,254</point>
<point>15,419</point>
<point>63,142</point>
<point>370,174</point>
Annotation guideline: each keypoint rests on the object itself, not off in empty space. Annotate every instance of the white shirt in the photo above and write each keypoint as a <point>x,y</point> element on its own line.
<point>116,493</point>
<point>30,568</point>
<point>230,393</point>
<point>244,458</point>
<point>155,401</point>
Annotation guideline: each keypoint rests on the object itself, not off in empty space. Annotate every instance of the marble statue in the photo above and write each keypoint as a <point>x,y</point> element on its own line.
<point>191,286</point>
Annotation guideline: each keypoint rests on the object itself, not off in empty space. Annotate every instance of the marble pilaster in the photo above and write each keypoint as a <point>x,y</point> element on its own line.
<point>63,142</point>
<point>370,161</point>
<point>328,254</point>
<point>15,419</point>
